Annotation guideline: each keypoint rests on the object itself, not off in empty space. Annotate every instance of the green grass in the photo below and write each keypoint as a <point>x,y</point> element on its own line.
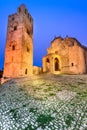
<point>14,113</point>
<point>33,110</point>
<point>29,127</point>
<point>81,83</point>
<point>48,89</point>
<point>52,94</point>
<point>44,120</point>
<point>68,120</point>
<point>21,89</point>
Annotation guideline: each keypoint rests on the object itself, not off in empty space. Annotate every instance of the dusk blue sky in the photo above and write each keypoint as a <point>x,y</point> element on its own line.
<point>51,18</point>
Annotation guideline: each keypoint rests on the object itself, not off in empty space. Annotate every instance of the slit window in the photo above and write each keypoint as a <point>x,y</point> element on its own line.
<point>13,47</point>
<point>26,71</point>
<point>28,49</point>
<point>72,64</point>
<point>28,32</point>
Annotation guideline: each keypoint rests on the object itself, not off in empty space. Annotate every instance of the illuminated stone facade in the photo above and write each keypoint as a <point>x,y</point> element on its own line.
<point>19,44</point>
<point>65,56</point>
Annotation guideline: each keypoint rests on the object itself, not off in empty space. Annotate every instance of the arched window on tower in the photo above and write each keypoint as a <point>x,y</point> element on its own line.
<point>15,28</point>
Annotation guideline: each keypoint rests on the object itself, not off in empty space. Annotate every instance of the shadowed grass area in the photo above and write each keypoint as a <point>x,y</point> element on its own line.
<point>68,120</point>
<point>44,120</point>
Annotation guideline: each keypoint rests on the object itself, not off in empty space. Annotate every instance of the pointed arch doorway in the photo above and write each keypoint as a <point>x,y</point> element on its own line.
<point>56,65</point>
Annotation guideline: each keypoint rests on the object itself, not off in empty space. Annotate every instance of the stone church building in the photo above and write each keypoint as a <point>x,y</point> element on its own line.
<point>63,56</point>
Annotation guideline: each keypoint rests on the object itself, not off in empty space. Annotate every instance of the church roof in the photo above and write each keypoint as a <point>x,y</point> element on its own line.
<point>72,39</point>
<point>55,38</point>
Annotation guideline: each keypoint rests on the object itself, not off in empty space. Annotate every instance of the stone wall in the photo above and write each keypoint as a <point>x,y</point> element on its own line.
<point>19,44</point>
<point>37,70</point>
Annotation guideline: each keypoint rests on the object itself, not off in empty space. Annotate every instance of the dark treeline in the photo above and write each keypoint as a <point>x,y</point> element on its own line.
<point>1,73</point>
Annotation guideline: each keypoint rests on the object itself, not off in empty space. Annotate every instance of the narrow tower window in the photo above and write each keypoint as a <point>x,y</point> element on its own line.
<point>13,47</point>
<point>26,71</point>
<point>72,64</point>
<point>28,49</point>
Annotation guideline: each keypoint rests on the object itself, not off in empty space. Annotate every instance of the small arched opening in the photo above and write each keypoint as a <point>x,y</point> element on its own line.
<point>47,60</point>
<point>15,28</point>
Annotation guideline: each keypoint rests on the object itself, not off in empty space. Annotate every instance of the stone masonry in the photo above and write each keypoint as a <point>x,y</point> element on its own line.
<point>19,44</point>
<point>65,56</point>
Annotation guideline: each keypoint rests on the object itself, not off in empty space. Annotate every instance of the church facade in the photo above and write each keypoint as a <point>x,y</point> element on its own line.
<point>65,56</point>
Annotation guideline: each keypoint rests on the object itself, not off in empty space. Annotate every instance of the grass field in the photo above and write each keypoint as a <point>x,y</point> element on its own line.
<point>46,102</point>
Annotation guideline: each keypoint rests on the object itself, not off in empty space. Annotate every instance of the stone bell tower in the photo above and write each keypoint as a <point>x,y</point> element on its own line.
<point>19,44</point>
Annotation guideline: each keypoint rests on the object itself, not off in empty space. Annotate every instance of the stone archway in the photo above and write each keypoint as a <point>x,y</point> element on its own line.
<point>56,64</point>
